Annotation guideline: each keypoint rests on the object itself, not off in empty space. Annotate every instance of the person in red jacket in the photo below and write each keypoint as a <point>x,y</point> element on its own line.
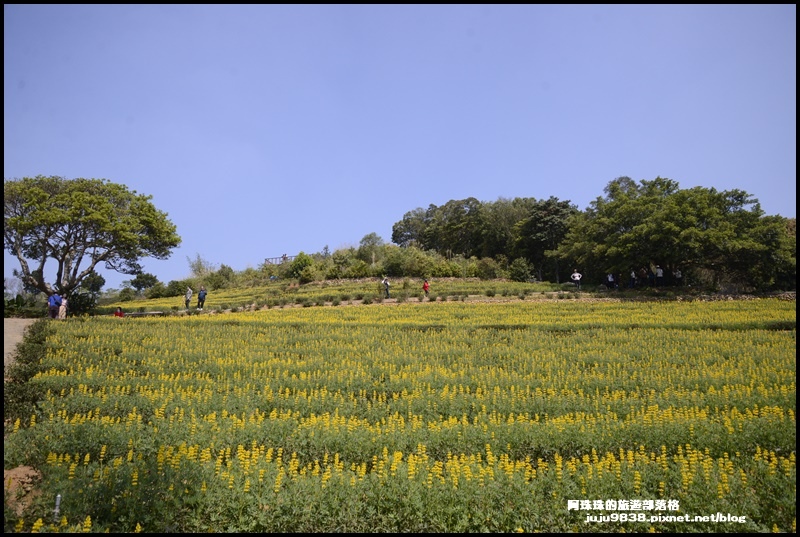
<point>119,312</point>
<point>426,287</point>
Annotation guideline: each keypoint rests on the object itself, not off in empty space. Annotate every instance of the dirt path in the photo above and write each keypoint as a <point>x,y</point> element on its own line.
<point>19,484</point>
<point>13,330</point>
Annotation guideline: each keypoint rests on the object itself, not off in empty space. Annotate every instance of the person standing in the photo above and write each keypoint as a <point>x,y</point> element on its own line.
<point>119,312</point>
<point>426,287</point>
<point>188,297</point>
<point>62,309</point>
<point>201,298</point>
<point>53,304</point>
<point>659,276</point>
<point>386,285</point>
<point>610,279</point>
<point>576,278</point>
<point>632,281</point>
<point>678,277</point>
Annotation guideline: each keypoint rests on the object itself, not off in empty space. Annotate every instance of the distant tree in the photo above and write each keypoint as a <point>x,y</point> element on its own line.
<point>200,267</point>
<point>127,294</point>
<point>456,228</point>
<point>178,287</point>
<point>488,268</point>
<point>369,248</point>
<point>220,279</point>
<point>81,224</point>
<point>411,229</point>
<point>500,219</point>
<point>143,282</point>
<point>543,229</point>
<point>725,234</point>
<point>158,290</point>
<point>299,263</point>
<point>85,298</point>
<point>93,283</point>
<point>520,270</point>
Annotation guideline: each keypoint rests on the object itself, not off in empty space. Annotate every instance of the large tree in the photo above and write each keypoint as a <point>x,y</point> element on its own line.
<point>722,233</point>
<point>542,230</point>
<point>81,224</point>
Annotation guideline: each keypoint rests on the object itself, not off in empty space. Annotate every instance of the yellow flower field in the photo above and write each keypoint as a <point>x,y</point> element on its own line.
<point>420,417</point>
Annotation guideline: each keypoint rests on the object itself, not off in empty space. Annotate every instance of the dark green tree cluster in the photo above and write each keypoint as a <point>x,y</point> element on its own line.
<point>723,239</point>
<point>718,238</point>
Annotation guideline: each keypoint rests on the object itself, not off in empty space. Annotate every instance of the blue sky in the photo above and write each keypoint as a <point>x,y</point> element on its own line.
<point>271,129</point>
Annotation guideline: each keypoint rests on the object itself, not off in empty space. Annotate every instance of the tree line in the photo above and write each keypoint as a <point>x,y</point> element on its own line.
<point>715,238</point>
<point>719,237</point>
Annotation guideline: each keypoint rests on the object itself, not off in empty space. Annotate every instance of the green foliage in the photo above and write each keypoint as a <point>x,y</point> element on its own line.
<point>126,295</point>
<point>520,270</point>
<point>307,275</point>
<point>369,249</point>
<point>654,222</point>
<point>143,281</point>
<point>20,396</point>
<point>200,267</point>
<point>82,303</point>
<point>93,283</point>
<point>300,263</point>
<point>81,221</point>
<point>488,269</point>
<point>23,305</point>
<point>157,291</point>
<point>178,287</point>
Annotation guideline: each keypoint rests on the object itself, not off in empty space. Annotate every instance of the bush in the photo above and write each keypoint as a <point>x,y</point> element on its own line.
<point>127,294</point>
<point>520,270</point>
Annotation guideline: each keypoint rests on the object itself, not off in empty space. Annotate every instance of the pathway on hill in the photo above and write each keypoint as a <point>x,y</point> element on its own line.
<point>13,330</point>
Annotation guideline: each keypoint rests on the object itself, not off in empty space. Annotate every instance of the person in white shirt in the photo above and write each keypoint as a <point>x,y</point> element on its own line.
<point>576,278</point>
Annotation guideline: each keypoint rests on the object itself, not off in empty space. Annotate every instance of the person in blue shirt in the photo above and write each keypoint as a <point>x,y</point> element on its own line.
<point>53,304</point>
<point>201,298</point>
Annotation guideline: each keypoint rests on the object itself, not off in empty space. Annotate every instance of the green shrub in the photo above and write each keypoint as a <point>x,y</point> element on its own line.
<point>127,294</point>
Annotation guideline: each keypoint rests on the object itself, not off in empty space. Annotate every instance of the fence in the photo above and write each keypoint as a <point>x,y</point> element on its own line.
<point>278,260</point>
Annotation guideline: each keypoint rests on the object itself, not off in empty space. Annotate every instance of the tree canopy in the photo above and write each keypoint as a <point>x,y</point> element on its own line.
<point>725,234</point>
<point>80,224</point>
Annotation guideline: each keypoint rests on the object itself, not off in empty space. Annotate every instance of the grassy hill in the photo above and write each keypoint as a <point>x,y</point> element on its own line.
<point>282,294</point>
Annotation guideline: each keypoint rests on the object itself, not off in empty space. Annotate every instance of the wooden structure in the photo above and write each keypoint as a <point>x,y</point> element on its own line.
<point>278,260</point>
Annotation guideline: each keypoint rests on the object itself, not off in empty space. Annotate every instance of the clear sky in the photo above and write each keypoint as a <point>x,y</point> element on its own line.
<point>270,129</point>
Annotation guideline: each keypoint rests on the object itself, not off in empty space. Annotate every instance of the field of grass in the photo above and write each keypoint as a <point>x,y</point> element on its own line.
<point>432,416</point>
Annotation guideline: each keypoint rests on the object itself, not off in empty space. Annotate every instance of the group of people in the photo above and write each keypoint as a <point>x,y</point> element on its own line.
<point>645,276</point>
<point>426,287</point>
<point>201,297</point>
<point>57,306</point>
